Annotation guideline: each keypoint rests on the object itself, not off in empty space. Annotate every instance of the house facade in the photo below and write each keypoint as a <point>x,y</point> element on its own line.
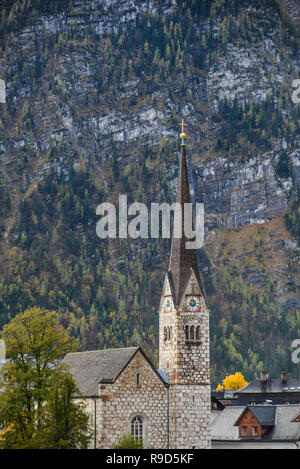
<point>256,427</point>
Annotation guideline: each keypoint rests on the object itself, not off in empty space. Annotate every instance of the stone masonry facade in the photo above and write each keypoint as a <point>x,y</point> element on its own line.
<point>122,400</point>
<point>184,362</point>
<point>189,418</point>
<point>187,366</point>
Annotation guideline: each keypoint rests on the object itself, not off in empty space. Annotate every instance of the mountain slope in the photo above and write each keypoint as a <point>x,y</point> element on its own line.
<point>95,93</point>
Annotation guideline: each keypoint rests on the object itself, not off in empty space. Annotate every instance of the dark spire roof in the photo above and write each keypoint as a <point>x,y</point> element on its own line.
<point>182,260</point>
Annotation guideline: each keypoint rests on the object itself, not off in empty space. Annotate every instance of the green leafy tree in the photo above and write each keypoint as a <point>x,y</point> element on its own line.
<point>128,441</point>
<point>66,424</point>
<point>36,404</point>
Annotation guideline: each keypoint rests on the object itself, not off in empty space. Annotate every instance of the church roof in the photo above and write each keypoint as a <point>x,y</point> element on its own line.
<point>89,369</point>
<point>99,366</point>
<point>182,261</point>
<point>164,376</point>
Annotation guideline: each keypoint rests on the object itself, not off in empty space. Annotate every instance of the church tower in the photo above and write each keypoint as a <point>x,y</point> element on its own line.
<point>184,335</point>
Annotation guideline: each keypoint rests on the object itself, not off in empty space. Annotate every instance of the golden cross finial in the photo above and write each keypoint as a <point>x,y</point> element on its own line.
<point>182,124</point>
<point>182,135</point>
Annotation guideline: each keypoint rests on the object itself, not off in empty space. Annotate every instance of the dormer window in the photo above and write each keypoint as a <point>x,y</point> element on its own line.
<point>255,421</point>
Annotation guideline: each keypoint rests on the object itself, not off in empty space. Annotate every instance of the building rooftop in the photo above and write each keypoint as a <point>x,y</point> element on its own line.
<point>100,366</point>
<point>264,414</point>
<point>89,369</point>
<point>224,428</point>
<point>183,261</point>
<point>271,386</point>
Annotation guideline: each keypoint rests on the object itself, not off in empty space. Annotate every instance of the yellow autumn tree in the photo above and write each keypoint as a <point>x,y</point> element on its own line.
<point>233,382</point>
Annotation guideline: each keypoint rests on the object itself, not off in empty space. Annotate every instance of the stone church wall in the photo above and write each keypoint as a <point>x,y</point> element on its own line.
<point>94,408</point>
<point>124,399</point>
<point>189,418</point>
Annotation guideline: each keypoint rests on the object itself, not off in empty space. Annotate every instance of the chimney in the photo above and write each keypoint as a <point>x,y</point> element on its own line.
<point>283,377</point>
<point>263,376</point>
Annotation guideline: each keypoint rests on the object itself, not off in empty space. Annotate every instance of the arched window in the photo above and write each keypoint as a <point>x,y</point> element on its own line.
<point>168,333</point>
<point>137,428</point>
<point>192,334</point>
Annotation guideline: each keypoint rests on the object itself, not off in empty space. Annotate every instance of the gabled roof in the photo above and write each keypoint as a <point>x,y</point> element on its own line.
<point>264,414</point>
<point>90,369</point>
<point>223,424</point>
<point>164,376</point>
<point>285,429</point>
<point>224,429</point>
<point>270,386</point>
<point>183,261</point>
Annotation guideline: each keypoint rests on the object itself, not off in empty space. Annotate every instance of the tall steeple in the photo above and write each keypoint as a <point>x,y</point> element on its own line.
<point>182,260</point>
<point>184,334</point>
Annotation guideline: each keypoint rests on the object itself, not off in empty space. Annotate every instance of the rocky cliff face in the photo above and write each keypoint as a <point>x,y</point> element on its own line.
<point>81,93</point>
<point>293,8</point>
<point>238,195</point>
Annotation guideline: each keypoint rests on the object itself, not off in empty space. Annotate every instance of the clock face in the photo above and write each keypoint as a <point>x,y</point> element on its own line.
<point>168,304</point>
<point>193,303</point>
